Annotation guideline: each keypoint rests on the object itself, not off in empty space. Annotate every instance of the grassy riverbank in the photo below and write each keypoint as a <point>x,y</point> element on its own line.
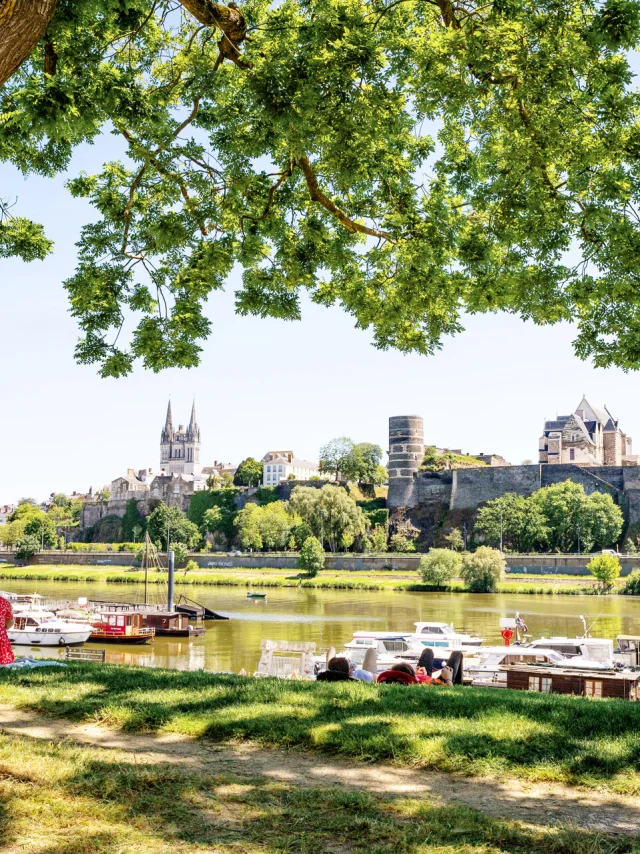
<point>327,579</point>
<point>472,731</point>
<point>61,798</point>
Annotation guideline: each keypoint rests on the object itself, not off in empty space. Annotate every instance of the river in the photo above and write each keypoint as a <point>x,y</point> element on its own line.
<point>329,618</point>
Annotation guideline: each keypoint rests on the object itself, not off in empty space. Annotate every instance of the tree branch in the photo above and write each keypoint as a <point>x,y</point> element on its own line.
<point>231,23</point>
<point>318,196</point>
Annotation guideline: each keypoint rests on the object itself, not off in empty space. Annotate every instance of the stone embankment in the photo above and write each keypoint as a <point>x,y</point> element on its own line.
<point>516,564</point>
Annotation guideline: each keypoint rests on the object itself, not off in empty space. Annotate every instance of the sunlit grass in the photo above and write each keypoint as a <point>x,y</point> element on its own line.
<point>472,731</point>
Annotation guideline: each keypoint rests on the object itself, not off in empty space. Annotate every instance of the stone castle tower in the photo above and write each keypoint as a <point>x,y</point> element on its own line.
<point>406,452</point>
<point>180,449</point>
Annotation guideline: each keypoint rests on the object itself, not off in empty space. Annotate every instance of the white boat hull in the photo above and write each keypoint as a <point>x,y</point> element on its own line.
<point>23,637</point>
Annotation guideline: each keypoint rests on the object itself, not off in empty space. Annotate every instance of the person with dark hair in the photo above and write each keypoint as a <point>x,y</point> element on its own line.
<point>450,672</point>
<point>337,671</point>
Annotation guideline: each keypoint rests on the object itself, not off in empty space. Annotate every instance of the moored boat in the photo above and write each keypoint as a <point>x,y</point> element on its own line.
<point>122,628</point>
<point>252,595</point>
<point>173,624</point>
<point>38,629</point>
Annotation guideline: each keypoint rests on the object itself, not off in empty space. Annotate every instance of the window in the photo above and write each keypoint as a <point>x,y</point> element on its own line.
<point>572,454</point>
<point>592,688</point>
<point>545,684</point>
<point>534,683</point>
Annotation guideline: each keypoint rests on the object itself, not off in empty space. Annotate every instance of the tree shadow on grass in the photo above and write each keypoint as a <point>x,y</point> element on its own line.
<point>129,805</point>
<point>477,729</point>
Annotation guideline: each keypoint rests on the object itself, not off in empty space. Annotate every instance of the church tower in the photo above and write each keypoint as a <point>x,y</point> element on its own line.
<point>180,449</point>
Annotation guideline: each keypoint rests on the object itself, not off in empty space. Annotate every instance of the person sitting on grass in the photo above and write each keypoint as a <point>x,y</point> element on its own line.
<point>338,670</point>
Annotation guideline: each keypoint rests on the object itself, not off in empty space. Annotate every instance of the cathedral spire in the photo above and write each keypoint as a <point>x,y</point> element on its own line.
<point>193,431</point>
<point>168,425</point>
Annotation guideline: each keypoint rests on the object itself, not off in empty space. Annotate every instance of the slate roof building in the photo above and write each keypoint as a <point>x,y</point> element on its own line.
<point>278,465</point>
<point>590,436</point>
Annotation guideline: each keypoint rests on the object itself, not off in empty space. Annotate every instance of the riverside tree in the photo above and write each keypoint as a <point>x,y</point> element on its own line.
<point>440,566</point>
<point>333,516</point>
<point>265,527</point>
<point>482,570</point>
<point>171,521</point>
<point>554,518</point>
<point>311,556</point>
<point>406,161</point>
<point>606,568</point>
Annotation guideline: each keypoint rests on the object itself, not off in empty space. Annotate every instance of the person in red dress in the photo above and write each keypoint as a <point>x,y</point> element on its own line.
<point>6,621</point>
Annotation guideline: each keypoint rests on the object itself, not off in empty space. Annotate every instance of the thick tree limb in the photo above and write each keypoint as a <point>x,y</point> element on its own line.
<point>318,196</point>
<point>231,23</point>
<point>22,24</point>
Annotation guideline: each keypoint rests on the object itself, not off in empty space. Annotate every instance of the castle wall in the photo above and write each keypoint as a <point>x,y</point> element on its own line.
<point>472,487</point>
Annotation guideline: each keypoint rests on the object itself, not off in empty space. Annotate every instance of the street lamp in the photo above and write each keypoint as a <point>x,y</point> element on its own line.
<point>578,531</point>
<point>501,527</point>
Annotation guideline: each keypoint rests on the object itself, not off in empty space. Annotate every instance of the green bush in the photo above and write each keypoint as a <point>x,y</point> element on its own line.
<point>440,566</point>
<point>180,552</point>
<point>224,499</point>
<point>606,568</point>
<point>632,584</point>
<point>311,557</point>
<point>27,546</point>
<point>482,570</point>
<point>401,541</point>
<point>191,566</point>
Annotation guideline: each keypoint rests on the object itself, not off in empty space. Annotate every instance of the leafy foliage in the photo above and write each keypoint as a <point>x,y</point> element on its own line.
<point>332,515</point>
<point>632,584</point>
<point>440,566</point>
<point>173,520</point>
<point>248,473</point>
<point>606,568</point>
<point>482,570</point>
<point>553,518</point>
<point>433,461</point>
<point>27,546</point>
<point>265,527</point>
<point>203,500</point>
<point>408,162</point>
<point>132,521</point>
<point>311,556</point>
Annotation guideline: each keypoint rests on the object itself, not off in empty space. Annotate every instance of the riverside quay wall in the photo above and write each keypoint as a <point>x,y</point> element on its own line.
<point>436,502</point>
<point>516,564</point>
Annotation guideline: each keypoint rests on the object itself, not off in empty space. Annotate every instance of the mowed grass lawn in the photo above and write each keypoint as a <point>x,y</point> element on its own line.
<point>475,731</point>
<point>269,577</point>
<point>61,798</point>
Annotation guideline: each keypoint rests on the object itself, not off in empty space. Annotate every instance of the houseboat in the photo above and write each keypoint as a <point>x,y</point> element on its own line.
<point>120,627</point>
<point>622,685</point>
<point>34,629</point>
<point>173,624</point>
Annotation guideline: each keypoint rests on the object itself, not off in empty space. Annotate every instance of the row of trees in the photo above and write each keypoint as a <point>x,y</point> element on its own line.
<point>29,528</point>
<point>557,518</point>
<point>360,463</point>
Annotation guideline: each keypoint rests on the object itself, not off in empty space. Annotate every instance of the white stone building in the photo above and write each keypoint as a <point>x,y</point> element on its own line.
<point>590,436</point>
<point>278,465</point>
<point>180,449</point>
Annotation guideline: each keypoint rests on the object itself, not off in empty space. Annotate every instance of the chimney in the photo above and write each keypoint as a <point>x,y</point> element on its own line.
<point>131,473</point>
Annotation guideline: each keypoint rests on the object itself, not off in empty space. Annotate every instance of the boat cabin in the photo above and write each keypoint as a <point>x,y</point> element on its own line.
<point>173,623</point>
<point>629,649</point>
<point>585,683</point>
<point>114,624</point>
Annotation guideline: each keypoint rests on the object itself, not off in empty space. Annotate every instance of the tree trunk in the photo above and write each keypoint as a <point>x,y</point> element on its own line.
<point>22,24</point>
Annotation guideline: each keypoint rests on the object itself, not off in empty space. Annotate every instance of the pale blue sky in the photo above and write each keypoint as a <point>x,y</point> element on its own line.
<point>262,383</point>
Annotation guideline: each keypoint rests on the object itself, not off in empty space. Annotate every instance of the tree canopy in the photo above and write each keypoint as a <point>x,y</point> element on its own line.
<point>408,161</point>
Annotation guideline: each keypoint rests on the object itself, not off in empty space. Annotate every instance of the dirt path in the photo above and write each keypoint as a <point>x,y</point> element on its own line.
<point>534,804</point>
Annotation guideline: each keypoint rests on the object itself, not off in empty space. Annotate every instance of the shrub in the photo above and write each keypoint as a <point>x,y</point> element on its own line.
<point>191,566</point>
<point>27,546</point>
<point>440,567</point>
<point>180,551</point>
<point>629,547</point>
<point>606,568</point>
<point>378,539</point>
<point>455,540</point>
<point>482,570</point>
<point>311,557</point>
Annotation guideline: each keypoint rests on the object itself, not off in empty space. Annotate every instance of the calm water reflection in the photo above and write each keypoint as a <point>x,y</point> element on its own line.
<point>329,618</point>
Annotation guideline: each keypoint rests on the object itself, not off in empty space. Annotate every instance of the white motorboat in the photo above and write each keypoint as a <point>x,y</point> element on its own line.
<point>585,653</point>
<point>390,648</point>
<point>34,629</point>
<point>484,667</point>
<point>442,636</point>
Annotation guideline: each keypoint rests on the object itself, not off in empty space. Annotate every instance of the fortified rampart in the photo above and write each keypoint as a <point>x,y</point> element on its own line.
<point>435,501</point>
